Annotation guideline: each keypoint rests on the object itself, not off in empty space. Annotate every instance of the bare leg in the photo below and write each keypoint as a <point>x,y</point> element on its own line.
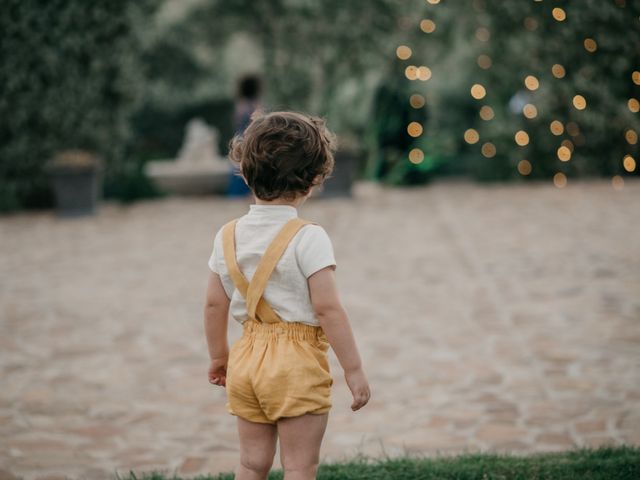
<point>257,448</point>
<point>300,440</point>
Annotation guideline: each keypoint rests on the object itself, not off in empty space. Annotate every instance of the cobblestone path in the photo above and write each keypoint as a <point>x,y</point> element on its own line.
<point>503,318</point>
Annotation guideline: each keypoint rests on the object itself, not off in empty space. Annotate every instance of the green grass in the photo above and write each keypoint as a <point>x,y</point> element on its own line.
<point>606,463</point>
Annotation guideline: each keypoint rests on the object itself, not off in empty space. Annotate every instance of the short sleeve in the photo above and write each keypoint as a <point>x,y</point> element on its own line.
<point>216,251</point>
<point>314,251</point>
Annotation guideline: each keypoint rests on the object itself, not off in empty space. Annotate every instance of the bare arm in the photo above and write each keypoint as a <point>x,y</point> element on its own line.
<point>335,323</point>
<point>216,311</point>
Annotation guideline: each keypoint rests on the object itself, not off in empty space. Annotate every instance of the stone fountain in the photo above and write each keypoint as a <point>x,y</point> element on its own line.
<point>198,169</point>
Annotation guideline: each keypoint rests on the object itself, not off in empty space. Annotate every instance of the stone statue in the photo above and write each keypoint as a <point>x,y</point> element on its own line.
<point>198,168</point>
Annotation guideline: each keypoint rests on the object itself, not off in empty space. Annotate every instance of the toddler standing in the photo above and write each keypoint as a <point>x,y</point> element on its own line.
<point>275,273</point>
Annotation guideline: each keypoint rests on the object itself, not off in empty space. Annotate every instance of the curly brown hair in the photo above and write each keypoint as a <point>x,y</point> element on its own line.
<point>284,154</point>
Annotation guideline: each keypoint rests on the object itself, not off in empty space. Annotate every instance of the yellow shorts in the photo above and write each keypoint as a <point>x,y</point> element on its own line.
<point>278,370</point>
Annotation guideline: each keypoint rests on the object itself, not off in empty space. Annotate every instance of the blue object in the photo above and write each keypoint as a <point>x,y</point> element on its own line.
<point>237,187</point>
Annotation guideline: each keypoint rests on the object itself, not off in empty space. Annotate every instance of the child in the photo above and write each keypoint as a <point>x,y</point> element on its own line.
<point>275,273</point>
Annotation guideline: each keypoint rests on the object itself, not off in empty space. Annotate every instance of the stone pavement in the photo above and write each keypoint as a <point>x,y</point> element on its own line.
<point>502,318</point>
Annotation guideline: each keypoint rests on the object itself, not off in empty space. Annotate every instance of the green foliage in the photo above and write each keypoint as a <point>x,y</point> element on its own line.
<point>71,78</point>
<point>604,463</point>
<point>316,56</point>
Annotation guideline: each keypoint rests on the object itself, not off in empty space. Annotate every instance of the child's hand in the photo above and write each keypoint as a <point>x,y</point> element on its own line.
<point>359,386</point>
<point>218,371</point>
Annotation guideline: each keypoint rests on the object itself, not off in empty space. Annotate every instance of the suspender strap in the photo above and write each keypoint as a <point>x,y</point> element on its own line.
<point>263,311</point>
<point>269,261</point>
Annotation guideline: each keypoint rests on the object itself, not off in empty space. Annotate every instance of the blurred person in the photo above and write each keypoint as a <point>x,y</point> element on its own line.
<point>277,376</point>
<point>247,102</point>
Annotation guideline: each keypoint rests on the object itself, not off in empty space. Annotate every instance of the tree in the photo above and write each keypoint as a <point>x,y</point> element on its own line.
<point>71,78</point>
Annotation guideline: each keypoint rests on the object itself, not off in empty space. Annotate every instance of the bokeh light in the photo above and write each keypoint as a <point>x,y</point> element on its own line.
<point>433,2</point>
<point>556,127</point>
<point>414,129</point>
<point>484,61</point>
<point>423,73</point>
<point>617,182</point>
<point>427,26</point>
<point>416,156</point>
<point>530,111</point>
<point>590,45</point>
<point>573,129</point>
<point>629,163</point>
<point>559,14</point>
<point>558,70</point>
<point>564,153</point>
<point>635,76</point>
<point>471,136</point>
<point>417,101</point>
<point>531,82</point>
<point>478,91</point>
<point>633,105</point>
<point>579,102</point>
<point>530,24</point>
<point>524,167</point>
<point>522,138</point>
<point>568,144</point>
<point>486,113</point>
<point>488,150</point>
<point>483,34</point>
<point>631,136</point>
<point>560,180</point>
<point>403,52</point>
<point>411,72</point>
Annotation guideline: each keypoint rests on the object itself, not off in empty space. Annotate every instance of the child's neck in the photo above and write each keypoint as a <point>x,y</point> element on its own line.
<point>295,203</point>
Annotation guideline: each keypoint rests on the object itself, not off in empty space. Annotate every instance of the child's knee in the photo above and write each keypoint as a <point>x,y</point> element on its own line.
<point>259,463</point>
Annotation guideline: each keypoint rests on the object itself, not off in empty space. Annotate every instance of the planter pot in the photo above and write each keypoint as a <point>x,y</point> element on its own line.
<point>76,184</point>
<point>347,163</point>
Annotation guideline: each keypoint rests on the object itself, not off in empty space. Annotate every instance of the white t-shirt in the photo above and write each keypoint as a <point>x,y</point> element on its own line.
<point>287,291</point>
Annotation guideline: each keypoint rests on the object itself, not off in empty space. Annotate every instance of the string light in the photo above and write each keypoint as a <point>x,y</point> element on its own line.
<point>478,91</point>
<point>617,182</point>
<point>558,71</point>
<point>471,136</point>
<point>414,129</point>
<point>590,45</point>
<point>483,34</point>
<point>484,62</point>
<point>403,52</point>
<point>530,111</point>
<point>568,144</point>
<point>530,24</point>
<point>427,26</point>
<point>560,180</point>
<point>629,163</point>
<point>522,138</point>
<point>633,105</point>
<point>417,101</point>
<point>488,150</point>
<point>411,72</point>
<point>524,167</point>
<point>559,14</point>
<point>424,73</point>
<point>573,129</point>
<point>564,154</point>
<point>579,102</point>
<point>416,156</point>
<point>556,127</point>
<point>631,137</point>
<point>486,113</point>
<point>531,82</point>
<point>635,76</point>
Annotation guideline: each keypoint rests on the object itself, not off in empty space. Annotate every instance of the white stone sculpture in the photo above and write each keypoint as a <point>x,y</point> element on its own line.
<point>198,168</point>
